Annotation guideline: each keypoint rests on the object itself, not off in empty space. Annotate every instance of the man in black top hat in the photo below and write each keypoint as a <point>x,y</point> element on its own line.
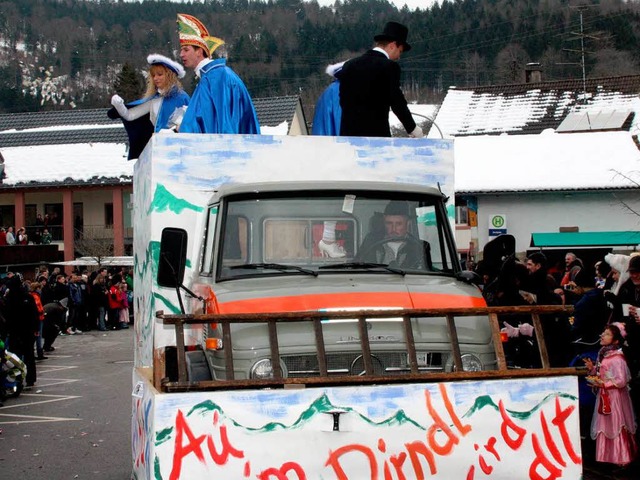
<point>370,85</point>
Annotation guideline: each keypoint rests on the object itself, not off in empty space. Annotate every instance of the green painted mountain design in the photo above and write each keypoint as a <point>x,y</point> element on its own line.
<point>428,219</point>
<point>487,401</point>
<point>164,200</point>
<point>451,211</point>
<point>322,405</point>
<point>150,259</point>
<point>163,435</point>
<point>174,309</point>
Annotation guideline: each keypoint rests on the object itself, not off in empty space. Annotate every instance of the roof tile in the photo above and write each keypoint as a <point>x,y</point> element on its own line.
<point>47,128</point>
<point>531,108</point>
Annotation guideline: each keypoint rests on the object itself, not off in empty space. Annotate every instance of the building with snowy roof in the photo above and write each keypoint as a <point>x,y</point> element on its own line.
<point>556,164</point>
<point>69,169</point>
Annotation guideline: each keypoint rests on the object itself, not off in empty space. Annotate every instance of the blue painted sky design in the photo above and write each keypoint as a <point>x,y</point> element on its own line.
<point>384,402</point>
<point>217,159</point>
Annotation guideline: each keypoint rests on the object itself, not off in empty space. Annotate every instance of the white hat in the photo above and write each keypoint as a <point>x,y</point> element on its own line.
<point>157,59</point>
<point>621,264</point>
<point>334,68</point>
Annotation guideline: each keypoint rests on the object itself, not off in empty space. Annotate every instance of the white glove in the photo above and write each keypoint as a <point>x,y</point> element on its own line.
<point>512,331</point>
<point>526,329</point>
<point>117,100</point>
<point>417,132</point>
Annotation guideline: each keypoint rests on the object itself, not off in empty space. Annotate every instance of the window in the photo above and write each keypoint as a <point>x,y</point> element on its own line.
<point>30,213</point>
<point>108,215</point>
<point>53,214</point>
<point>53,219</point>
<point>7,217</point>
<point>279,234</point>
<point>209,240</point>
<point>462,215</point>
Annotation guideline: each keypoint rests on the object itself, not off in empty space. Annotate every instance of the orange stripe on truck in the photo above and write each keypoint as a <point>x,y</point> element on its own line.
<point>297,303</point>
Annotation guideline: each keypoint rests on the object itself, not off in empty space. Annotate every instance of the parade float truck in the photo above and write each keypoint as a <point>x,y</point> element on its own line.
<point>259,356</point>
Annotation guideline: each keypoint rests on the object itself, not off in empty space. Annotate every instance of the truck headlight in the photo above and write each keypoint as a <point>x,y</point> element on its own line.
<point>470,363</point>
<point>262,370</point>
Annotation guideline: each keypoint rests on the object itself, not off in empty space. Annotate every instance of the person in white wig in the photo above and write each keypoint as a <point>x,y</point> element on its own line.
<point>620,265</point>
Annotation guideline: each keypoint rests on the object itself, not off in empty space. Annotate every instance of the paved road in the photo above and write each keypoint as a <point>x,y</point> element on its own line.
<point>75,422</point>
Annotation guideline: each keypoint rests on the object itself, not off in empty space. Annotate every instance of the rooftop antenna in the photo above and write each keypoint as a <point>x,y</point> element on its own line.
<point>580,36</point>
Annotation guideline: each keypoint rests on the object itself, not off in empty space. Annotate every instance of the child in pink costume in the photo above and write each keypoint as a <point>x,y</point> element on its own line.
<point>124,306</point>
<point>613,432</point>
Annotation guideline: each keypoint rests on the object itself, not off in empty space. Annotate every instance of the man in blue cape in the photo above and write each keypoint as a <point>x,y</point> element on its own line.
<point>326,119</point>
<point>220,103</point>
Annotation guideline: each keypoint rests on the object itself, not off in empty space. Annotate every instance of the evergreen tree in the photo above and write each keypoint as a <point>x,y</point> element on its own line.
<point>281,47</point>
<point>129,83</point>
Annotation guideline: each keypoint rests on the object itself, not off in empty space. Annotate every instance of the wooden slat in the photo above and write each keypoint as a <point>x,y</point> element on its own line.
<point>159,368</point>
<point>182,361</point>
<point>497,341</point>
<point>364,343</point>
<point>542,346</point>
<point>320,348</point>
<point>377,379</point>
<point>304,316</point>
<point>455,346</point>
<point>411,343</point>
<point>275,350</point>
<point>227,348</point>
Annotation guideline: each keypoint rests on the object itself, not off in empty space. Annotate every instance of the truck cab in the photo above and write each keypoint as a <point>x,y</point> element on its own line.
<point>261,254</point>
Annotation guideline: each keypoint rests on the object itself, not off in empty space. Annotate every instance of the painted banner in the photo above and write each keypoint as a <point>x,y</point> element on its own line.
<point>499,429</point>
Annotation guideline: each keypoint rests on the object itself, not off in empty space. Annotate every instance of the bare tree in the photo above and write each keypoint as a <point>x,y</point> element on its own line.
<point>476,69</point>
<point>625,204</point>
<point>95,248</point>
<point>510,63</point>
<point>610,62</point>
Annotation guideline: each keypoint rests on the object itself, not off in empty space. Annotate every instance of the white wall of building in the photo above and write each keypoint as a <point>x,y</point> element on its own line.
<point>528,213</point>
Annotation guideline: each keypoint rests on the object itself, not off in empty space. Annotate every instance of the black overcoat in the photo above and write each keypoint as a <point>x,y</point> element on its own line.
<point>369,86</point>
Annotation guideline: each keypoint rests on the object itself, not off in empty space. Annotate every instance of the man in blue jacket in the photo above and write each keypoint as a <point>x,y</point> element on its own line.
<point>220,103</point>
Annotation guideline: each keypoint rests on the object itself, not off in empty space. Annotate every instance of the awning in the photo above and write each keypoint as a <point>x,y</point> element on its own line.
<point>585,239</point>
<point>103,262</point>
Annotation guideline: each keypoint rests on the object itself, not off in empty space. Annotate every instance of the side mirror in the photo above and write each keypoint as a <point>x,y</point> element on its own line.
<point>469,277</point>
<point>173,257</point>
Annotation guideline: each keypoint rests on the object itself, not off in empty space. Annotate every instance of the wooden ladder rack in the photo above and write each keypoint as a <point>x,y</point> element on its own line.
<point>369,377</point>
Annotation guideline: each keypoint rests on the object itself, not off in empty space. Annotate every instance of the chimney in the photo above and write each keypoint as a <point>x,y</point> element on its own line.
<point>533,73</point>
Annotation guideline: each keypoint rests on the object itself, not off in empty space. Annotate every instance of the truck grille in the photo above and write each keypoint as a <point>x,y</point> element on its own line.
<point>384,363</point>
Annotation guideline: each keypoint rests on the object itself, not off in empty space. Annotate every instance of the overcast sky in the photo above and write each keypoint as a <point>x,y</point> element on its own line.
<point>412,4</point>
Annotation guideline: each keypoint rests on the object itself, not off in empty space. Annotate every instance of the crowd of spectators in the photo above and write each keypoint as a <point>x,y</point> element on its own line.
<point>34,313</point>
<point>40,236</point>
<point>605,299</point>
<point>41,232</point>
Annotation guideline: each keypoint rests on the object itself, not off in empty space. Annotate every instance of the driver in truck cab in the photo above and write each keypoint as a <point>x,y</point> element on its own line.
<point>395,246</point>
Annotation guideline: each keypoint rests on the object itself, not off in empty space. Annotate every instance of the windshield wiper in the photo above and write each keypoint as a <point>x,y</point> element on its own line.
<point>363,265</point>
<point>275,266</point>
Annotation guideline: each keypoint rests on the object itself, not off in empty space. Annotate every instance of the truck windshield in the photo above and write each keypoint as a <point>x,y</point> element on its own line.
<point>332,233</point>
